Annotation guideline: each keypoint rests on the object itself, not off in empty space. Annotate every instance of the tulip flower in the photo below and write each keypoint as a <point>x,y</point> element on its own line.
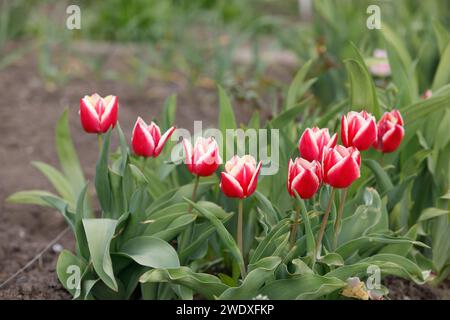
<point>98,114</point>
<point>240,177</point>
<point>204,158</point>
<point>341,166</point>
<point>313,141</point>
<point>147,140</point>
<point>390,132</point>
<point>304,177</point>
<point>358,130</point>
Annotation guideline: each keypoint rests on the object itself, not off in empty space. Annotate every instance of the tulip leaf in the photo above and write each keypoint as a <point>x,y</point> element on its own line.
<point>383,181</point>
<point>31,197</point>
<point>266,246</point>
<point>298,86</point>
<point>430,213</point>
<point>67,154</point>
<point>442,35</point>
<point>362,90</point>
<point>169,112</point>
<point>310,239</point>
<point>82,212</point>
<point>150,252</point>
<point>304,287</point>
<point>99,233</point>
<point>102,178</point>
<point>441,76</point>
<point>58,180</point>
<point>223,233</point>
<point>69,269</point>
<point>205,284</point>
<point>227,120</point>
<point>260,272</point>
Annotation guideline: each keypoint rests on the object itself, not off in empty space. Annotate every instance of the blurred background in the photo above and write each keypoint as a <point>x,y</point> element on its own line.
<point>143,51</point>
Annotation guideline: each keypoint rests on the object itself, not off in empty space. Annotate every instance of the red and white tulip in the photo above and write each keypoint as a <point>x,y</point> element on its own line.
<point>341,166</point>
<point>313,141</point>
<point>358,130</point>
<point>98,114</point>
<point>147,140</point>
<point>390,132</point>
<point>240,177</point>
<point>204,158</point>
<point>304,177</point>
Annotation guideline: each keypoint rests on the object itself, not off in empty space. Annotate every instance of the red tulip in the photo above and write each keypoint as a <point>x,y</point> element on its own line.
<point>358,130</point>
<point>304,177</point>
<point>341,166</point>
<point>240,177</point>
<point>390,132</point>
<point>313,141</point>
<point>204,158</point>
<point>98,114</point>
<point>147,140</point>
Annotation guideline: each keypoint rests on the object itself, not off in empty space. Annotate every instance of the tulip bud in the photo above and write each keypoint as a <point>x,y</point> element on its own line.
<point>390,132</point>
<point>358,130</point>
<point>98,114</point>
<point>341,166</point>
<point>204,158</point>
<point>147,140</point>
<point>240,177</point>
<point>304,177</point>
<point>313,141</point>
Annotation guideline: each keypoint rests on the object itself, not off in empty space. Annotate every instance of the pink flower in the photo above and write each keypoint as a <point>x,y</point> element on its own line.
<point>313,141</point>
<point>147,140</point>
<point>98,114</point>
<point>204,158</point>
<point>358,130</point>
<point>240,177</point>
<point>390,132</point>
<point>304,177</point>
<point>341,166</point>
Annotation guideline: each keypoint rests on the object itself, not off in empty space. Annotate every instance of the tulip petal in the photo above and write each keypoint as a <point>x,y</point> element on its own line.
<point>254,181</point>
<point>142,141</point>
<point>110,114</point>
<point>343,173</point>
<point>306,184</point>
<point>366,135</point>
<point>392,139</point>
<point>163,141</point>
<point>230,187</point>
<point>188,154</point>
<point>344,131</point>
<point>308,146</point>
<point>89,117</point>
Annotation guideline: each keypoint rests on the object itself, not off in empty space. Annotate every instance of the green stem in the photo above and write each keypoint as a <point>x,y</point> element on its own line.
<point>194,193</point>
<point>239,226</point>
<point>100,142</point>
<point>294,227</point>
<point>337,224</point>
<point>324,223</point>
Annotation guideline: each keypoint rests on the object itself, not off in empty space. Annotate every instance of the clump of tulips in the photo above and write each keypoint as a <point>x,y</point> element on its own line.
<point>164,224</point>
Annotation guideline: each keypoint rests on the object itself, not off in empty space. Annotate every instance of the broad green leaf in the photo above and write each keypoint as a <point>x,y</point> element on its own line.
<point>227,120</point>
<point>205,284</point>
<point>304,287</point>
<point>362,90</point>
<point>69,269</point>
<point>430,213</point>
<point>266,246</point>
<point>442,76</point>
<point>266,206</point>
<point>150,252</point>
<point>99,233</point>
<point>59,182</point>
<point>260,272</point>
<point>82,212</point>
<point>332,259</point>
<point>31,197</point>
<point>175,227</point>
<point>67,155</point>
<point>442,36</point>
<point>169,112</point>
<point>223,233</point>
<point>310,239</point>
<point>383,181</point>
<point>298,86</point>
<point>288,115</point>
